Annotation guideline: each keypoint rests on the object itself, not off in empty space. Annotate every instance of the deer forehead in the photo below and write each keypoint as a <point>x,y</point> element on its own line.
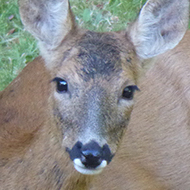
<point>96,55</point>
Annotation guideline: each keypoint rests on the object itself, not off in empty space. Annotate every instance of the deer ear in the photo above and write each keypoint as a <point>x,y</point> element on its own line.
<point>160,26</point>
<point>49,21</point>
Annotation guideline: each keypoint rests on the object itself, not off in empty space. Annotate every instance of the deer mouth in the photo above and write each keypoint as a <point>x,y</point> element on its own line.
<point>81,168</point>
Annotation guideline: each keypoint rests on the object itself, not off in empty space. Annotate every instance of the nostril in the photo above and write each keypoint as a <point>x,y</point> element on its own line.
<point>107,155</point>
<point>75,152</point>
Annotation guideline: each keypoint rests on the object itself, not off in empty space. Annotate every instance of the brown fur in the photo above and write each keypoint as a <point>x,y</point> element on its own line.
<point>35,161</point>
<point>37,123</point>
<point>31,139</point>
<point>155,152</point>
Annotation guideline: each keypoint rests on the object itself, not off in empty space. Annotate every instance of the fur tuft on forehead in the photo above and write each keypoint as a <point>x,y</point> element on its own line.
<point>99,55</point>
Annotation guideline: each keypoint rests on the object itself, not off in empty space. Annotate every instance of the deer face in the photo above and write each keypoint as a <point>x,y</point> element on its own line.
<point>93,91</point>
<point>94,75</point>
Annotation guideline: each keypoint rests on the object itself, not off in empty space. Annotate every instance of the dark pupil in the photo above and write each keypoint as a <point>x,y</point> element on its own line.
<point>61,86</point>
<point>128,92</point>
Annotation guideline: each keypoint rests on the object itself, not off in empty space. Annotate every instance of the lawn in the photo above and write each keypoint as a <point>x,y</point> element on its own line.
<point>17,47</point>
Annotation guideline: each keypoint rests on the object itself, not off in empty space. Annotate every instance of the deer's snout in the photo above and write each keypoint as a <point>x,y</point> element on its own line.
<point>90,158</point>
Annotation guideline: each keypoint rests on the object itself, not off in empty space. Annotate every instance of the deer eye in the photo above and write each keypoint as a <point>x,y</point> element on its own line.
<point>62,85</point>
<point>128,92</point>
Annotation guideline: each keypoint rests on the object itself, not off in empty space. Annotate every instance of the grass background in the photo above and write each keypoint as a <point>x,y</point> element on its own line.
<point>17,47</point>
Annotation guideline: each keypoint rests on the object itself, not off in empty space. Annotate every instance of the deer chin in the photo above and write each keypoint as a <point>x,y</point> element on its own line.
<point>81,168</point>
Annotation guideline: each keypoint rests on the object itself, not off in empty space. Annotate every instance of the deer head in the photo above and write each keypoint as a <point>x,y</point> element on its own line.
<point>95,75</point>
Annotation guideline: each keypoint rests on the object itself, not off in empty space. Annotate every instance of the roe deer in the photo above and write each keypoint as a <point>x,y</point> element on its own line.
<point>70,108</point>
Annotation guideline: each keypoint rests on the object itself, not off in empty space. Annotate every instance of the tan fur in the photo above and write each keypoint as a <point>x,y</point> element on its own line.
<point>27,161</point>
<point>37,123</point>
<point>155,151</point>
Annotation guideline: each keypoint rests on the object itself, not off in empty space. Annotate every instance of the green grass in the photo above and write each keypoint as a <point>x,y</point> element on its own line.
<point>105,15</point>
<point>17,47</point>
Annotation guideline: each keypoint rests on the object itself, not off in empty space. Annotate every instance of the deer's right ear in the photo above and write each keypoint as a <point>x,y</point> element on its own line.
<point>49,21</point>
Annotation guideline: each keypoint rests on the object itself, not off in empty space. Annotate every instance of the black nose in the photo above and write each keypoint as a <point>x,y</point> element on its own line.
<point>90,154</point>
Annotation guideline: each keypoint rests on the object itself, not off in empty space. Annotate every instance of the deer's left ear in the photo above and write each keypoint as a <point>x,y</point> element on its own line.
<point>160,26</point>
<point>49,21</point>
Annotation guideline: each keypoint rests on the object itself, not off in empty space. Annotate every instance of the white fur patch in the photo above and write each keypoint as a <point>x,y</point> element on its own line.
<point>86,171</point>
